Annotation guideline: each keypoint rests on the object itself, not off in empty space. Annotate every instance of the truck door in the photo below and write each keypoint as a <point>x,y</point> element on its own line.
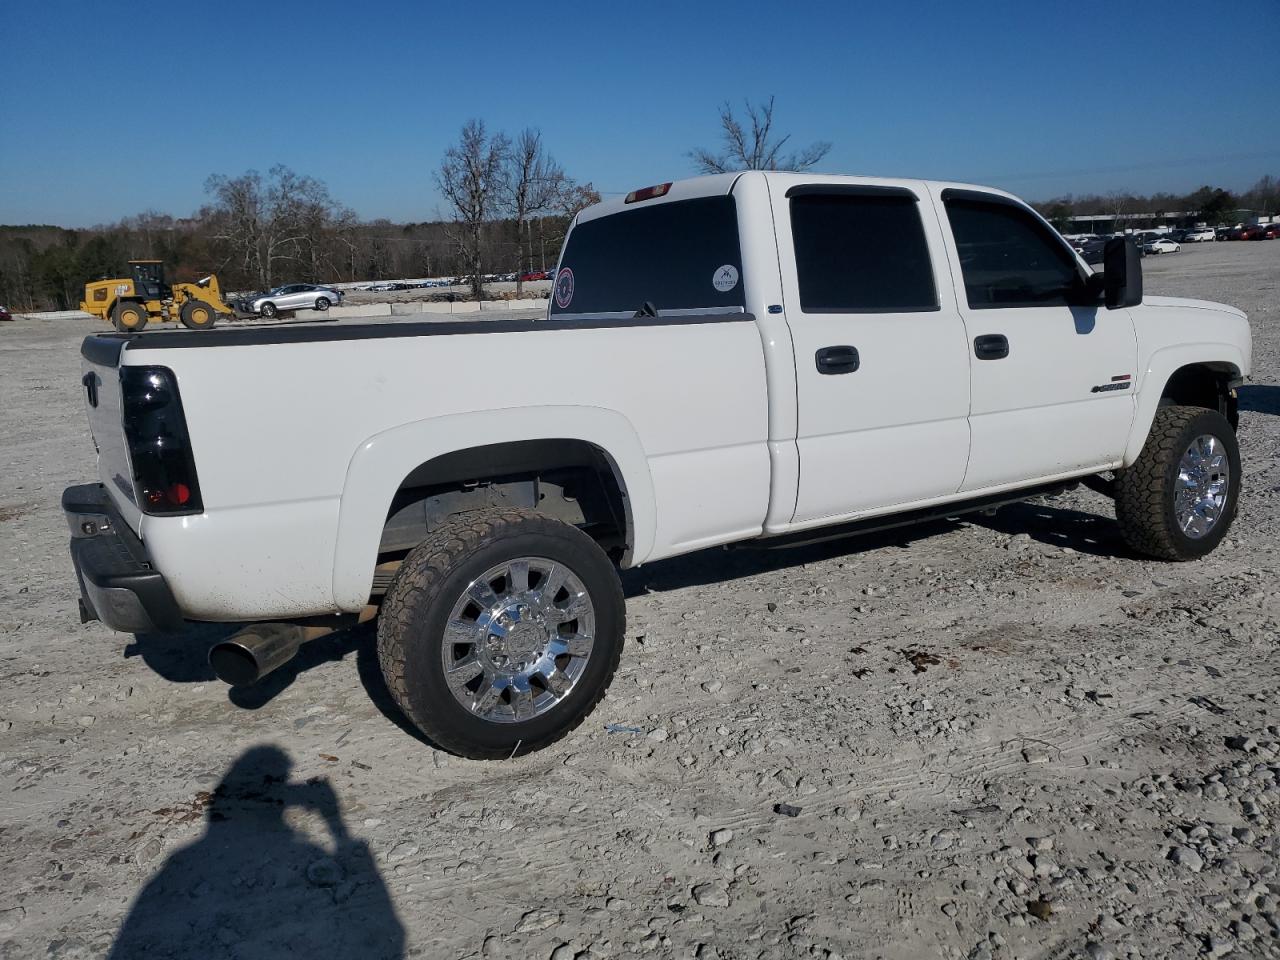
<point>1052,382</point>
<point>882,367</point>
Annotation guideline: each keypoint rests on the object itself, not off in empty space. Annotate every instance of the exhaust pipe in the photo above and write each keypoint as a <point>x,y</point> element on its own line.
<point>248,656</point>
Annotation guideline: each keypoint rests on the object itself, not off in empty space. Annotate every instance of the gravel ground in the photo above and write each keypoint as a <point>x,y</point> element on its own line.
<point>1001,738</point>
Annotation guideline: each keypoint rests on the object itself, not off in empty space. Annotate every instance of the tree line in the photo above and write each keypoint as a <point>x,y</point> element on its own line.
<point>1214,206</point>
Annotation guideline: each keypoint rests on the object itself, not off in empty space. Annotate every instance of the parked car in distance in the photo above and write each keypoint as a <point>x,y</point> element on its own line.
<point>295,296</point>
<point>5,314</point>
<point>1199,235</point>
<point>1255,231</point>
<point>533,275</point>
<point>1093,251</point>
<point>1160,245</point>
<point>1271,231</point>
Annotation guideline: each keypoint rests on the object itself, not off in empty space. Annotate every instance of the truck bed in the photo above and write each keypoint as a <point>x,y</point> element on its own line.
<point>302,434</point>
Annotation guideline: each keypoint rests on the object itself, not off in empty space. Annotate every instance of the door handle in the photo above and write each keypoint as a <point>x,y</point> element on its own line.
<point>841,359</point>
<point>992,346</point>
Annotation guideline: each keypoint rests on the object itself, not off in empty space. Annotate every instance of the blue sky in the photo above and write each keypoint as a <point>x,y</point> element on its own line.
<point>110,108</point>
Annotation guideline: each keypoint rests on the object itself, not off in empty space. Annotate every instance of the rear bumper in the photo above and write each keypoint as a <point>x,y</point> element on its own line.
<point>117,582</point>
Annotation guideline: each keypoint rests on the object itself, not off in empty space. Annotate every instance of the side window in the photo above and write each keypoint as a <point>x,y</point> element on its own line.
<point>681,256</point>
<point>1008,257</point>
<point>861,253</point>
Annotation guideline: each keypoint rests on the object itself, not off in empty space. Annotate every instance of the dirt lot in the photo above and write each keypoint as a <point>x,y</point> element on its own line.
<point>1001,738</point>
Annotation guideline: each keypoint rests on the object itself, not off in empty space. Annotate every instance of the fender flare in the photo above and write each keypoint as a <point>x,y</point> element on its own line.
<point>1162,365</point>
<point>380,464</point>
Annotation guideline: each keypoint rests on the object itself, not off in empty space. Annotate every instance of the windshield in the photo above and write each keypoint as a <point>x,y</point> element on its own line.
<point>148,272</point>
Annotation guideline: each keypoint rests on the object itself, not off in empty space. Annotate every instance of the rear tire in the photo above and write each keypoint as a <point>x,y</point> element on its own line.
<point>129,316</point>
<point>269,310</point>
<point>197,315</point>
<point>1164,502</point>
<point>426,633</point>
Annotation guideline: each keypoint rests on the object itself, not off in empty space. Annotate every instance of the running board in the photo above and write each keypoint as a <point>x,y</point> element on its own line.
<point>944,511</point>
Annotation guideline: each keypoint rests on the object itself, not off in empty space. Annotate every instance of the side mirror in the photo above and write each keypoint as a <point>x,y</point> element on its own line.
<point>1122,273</point>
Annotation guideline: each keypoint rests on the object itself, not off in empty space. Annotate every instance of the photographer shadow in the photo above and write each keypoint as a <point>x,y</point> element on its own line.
<point>255,886</point>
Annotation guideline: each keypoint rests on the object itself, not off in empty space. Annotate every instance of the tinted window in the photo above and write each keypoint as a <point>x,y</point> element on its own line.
<point>678,256</point>
<point>1008,257</point>
<point>861,253</point>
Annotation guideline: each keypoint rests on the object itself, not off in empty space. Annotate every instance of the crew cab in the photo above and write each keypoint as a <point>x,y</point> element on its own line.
<point>761,356</point>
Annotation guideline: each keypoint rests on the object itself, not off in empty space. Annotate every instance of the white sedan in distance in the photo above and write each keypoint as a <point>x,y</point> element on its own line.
<point>1160,245</point>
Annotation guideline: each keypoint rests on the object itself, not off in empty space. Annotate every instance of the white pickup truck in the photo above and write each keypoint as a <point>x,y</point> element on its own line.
<point>741,357</point>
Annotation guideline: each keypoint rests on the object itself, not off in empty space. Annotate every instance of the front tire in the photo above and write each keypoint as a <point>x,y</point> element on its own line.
<point>269,310</point>
<point>322,303</point>
<point>501,632</point>
<point>1179,498</point>
<point>129,316</point>
<point>197,315</point>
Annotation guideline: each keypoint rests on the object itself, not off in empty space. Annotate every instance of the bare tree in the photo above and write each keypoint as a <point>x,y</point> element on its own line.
<point>753,146</point>
<point>472,179</point>
<point>236,219</point>
<point>534,185</point>
<point>1117,202</point>
<point>1264,196</point>
<point>263,225</point>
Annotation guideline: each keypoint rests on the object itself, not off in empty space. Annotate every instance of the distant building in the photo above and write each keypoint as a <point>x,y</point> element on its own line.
<point>1247,217</point>
<point>1136,222</point>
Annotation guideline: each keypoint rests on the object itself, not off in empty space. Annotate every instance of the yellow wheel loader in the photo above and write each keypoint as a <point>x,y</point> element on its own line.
<point>130,304</point>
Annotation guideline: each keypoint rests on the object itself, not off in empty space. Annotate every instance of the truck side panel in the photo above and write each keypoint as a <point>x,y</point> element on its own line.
<point>281,440</point>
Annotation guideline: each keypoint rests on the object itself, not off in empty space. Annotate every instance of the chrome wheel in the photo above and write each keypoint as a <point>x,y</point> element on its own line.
<point>1200,492</point>
<point>518,639</point>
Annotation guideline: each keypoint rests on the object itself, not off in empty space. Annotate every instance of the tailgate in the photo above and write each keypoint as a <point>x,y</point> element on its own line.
<point>100,387</point>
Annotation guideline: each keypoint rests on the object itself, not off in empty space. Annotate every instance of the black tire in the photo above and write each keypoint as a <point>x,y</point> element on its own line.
<point>417,606</point>
<point>1145,492</point>
<point>129,316</point>
<point>268,310</point>
<point>322,303</point>
<point>197,315</point>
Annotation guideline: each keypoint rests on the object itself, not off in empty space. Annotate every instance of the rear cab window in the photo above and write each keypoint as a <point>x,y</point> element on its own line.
<point>682,257</point>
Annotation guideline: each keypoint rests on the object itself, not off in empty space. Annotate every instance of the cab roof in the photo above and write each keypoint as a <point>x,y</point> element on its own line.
<point>720,184</point>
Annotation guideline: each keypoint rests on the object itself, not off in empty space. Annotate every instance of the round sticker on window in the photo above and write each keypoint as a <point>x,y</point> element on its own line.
<point>725,278</point>
<point>564,288</point>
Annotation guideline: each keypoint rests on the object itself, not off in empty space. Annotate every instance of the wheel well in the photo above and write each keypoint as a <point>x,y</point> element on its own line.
<point>1205,385</point>
<point>571,480</point>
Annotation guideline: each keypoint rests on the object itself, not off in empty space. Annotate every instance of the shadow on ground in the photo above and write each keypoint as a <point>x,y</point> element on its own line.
<point>1091,533</point>
<point>182,658</point>
<point>1260,398</point>
<point>253,885</point>
<point>1043,521</point>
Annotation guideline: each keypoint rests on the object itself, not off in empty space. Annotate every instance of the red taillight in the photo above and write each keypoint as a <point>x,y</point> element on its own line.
<point>648,193</point>
<point>164,470</point>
